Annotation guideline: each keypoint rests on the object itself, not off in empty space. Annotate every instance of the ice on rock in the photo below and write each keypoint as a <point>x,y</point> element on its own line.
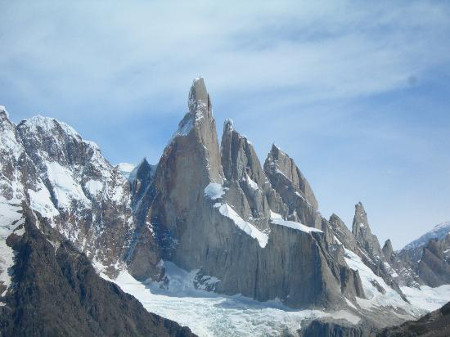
<point>214,191</point>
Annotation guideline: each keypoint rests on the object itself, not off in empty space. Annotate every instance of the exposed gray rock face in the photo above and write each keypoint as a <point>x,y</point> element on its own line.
<point>58,293</point>
<point>426,260</point>
<point>434,266</point>
<point>333,329</point>
<point>342,233</point>
<point>294,189</point>
<point>388,251</point>
<point>211,210</point>
<point>247,186</point>
<point>144,255</point>
<point>361,230</point>
<point>368,248</point>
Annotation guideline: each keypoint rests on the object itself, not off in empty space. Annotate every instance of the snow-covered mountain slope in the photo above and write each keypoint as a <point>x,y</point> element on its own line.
<point>46,164</point>
<point>209,218</point>
<point>438,232</point>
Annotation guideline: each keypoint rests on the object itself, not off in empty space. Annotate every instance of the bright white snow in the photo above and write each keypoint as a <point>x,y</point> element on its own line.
<point>65,187</point>
<point>253,185</point>
<point>427,298</point>
<point>209,314</point>
<point>294,225</point>
<point>245,226</point>
<point>375,298</point>
<point>214,191</point>
<point>40,201</point>
<point>94,187</point>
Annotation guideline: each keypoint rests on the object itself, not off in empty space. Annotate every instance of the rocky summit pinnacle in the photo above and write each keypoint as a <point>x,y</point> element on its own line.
<point>198,97</point>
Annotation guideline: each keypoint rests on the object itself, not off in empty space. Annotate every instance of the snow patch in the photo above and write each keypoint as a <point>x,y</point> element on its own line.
<point>94,187</point>
<point>40,202</point>
<point>295,225</point>
<point>214,191</point>
<point>245,226</point>
<point>428,298</point>
<point>253,185</point>
<point>65,187</point>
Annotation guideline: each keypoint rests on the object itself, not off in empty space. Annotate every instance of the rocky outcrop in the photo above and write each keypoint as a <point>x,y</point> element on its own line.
<point>368,248</point>
<point>342,233</point>
<point>143,257</point>
<point>58,293</point>
<point>434,324</point>
<point>287,180</point>
<point>427,259</point>
<point>363,234</point>
<point>73,186</point>
<point>434,265</point>
<point>319,328</point>
<point>217,211</point>
<point>388,251</point>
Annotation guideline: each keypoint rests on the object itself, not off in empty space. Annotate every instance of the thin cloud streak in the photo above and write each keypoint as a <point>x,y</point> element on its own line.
<point>323,79</point>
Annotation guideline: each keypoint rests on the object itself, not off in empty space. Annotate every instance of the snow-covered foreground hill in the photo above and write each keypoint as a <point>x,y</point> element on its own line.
<point>210,314</point>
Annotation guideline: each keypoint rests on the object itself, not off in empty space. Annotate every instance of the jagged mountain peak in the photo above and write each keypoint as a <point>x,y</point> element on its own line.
<point>387,249</point>
<point>141,171</point>
<point>3,113</point>
<point>43,124</point>
<point>360,220</point>
<point>278,163</point>
<point>228,125</point>
<point>198,97</point>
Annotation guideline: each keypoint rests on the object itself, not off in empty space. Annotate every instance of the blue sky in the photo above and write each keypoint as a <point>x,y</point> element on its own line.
<point>356,92</point>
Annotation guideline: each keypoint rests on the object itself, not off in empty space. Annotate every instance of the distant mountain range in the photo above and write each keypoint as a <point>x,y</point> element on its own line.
<point>231,226</point>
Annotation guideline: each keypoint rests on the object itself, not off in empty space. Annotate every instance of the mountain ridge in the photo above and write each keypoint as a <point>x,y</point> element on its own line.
<point>210,207</point>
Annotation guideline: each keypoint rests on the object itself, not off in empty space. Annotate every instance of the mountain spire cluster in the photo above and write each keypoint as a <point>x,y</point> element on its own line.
<point>209,207</point>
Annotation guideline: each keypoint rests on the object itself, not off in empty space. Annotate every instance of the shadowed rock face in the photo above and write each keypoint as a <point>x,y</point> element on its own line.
<point>427,264</point>
<point>434,265</point>
<point>332,329</point>
<point>144,255</point>
<point>58,293</point>
<point>434,324</point>
<point>387,249</point>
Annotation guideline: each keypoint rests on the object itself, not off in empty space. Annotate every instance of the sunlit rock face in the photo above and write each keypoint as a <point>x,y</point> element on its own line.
<point>215,209</point>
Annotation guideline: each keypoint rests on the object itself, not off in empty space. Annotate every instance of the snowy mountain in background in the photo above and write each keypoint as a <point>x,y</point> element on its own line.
<point>210,237</point>
<point>438,232</point>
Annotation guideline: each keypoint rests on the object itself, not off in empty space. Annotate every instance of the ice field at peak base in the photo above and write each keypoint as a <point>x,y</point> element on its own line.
<point>210,314</point>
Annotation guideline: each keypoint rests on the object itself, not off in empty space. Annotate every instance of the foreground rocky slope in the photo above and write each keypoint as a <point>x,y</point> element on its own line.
<point>57,292</point>
<point>434,324</point>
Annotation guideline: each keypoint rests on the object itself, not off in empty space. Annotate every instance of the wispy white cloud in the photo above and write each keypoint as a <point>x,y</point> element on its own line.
<point>308,74</point>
